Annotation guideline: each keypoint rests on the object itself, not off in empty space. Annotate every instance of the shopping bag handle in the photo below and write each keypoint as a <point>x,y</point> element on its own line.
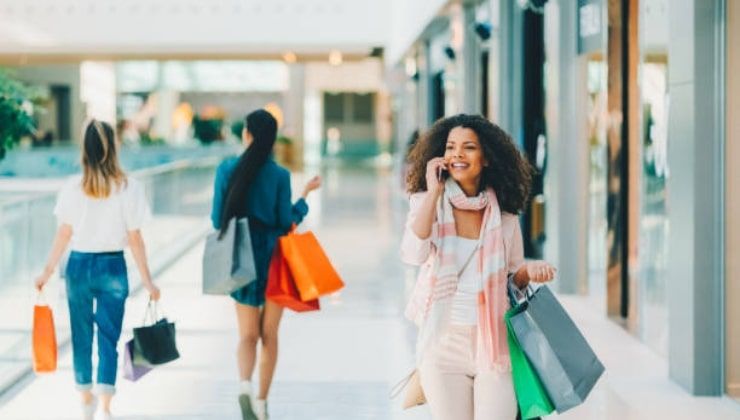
<point>152,308</point>
<point>397,388</point>
<point>41,299</point>
<point>517,295</point>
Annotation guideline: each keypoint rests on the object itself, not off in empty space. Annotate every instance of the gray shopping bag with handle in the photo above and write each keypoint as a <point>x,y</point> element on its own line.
<point>228,261</point>
<point>566,365</point>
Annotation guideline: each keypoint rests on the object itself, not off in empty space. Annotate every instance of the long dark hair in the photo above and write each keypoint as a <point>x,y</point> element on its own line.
<point>263,128</point>
<point>508,172</point>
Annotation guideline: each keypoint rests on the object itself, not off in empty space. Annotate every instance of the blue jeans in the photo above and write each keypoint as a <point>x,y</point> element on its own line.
<point>100,278</point>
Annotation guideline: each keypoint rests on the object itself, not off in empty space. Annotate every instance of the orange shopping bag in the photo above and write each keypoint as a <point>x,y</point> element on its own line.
<point>44,339</point>
<point>281,287</point>
<point>313,273</point>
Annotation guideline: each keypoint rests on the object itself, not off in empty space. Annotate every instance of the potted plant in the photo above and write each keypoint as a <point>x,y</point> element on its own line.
<point>208,124</point>
<point>16,113</point>
<point>236,129</point>
<point>284,151</point>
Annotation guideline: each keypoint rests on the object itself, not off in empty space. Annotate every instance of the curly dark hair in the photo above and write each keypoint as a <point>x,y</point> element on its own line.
<point>508,172</point>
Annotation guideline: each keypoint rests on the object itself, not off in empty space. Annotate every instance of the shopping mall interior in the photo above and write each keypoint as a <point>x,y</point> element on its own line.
<point>627,109</point>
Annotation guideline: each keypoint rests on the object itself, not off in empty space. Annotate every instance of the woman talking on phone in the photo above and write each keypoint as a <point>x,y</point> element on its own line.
<point>468,182</point>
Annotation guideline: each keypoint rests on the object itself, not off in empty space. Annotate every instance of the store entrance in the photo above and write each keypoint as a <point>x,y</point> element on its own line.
<point>534,136</point>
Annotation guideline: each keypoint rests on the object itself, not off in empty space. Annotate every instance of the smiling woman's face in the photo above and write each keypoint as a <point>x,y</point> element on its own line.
<point>464,156</point>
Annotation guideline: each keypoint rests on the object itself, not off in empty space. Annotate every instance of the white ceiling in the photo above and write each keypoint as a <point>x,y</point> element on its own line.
<point>192,26</point>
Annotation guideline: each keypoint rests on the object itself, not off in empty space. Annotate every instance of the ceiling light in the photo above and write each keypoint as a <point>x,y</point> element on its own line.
<point>410,66</point>
<point>335,57</point>
<point>290,57</point>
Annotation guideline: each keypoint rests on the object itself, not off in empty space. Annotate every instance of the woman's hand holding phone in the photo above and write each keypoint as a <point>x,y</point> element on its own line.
<point>436,175</point>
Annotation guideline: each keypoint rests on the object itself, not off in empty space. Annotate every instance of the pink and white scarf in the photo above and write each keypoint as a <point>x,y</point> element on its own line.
<point>490,261</point>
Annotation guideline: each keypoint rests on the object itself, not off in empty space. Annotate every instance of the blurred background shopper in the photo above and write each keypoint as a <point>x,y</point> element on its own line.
<point>255,186</point>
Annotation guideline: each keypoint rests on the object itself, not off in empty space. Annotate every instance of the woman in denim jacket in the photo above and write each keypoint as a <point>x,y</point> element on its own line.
<point>99,214</point>
<point>253,185</point>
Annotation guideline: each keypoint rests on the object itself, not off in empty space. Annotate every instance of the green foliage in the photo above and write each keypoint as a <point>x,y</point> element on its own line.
<point>284,140</point>
<point>16,114</point>
<point>207,130</point>
<point>236,128</point>
<point>148,140</point>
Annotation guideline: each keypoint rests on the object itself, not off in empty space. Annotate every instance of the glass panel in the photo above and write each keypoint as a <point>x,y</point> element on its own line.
<point>597,121</point>
<point>334,107</point>
<point>362,111</point>
<point>202,76</point>
<point>653,318</point>
<point>732,202</point>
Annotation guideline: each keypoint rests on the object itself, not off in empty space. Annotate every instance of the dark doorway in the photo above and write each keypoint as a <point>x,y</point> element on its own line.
<point>533,128</point>
<point>60,94</point>
<point>438,95</point>
<point>484,83</point>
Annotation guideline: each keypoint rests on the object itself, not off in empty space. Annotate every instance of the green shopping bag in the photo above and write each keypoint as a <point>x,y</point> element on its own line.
<point>530,395</point>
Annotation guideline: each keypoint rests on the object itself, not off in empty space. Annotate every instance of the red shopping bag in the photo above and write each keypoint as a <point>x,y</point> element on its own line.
<point>44,340</point>
<point>312,271</point>
<point>281,287</point>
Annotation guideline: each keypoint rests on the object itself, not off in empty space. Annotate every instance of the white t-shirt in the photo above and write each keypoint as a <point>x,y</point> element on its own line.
<point>102,225</point>
<point>464,309</point>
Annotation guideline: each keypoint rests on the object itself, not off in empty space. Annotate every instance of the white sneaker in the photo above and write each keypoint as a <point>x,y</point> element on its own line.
<point>88,410</point>
<point>245,401</point>
<point>106,416</point>
<point>260,409</point>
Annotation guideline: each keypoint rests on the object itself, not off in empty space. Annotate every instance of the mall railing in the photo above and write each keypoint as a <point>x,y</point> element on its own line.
<point>180,195</point>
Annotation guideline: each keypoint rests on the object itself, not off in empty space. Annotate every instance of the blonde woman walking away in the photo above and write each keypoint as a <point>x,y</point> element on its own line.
<point>99,214</point>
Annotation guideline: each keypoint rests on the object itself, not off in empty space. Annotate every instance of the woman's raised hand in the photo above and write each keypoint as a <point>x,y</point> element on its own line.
<point>312,184</point>
<point>434,168</point>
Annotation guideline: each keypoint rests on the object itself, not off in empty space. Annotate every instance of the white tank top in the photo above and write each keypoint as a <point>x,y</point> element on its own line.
<point>464,309</point>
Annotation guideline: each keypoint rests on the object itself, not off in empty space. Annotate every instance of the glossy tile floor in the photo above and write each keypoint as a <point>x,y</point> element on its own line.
<point>341,362</point>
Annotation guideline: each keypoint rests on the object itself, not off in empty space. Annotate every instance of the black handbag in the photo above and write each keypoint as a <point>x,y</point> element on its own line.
<point>155,344</point>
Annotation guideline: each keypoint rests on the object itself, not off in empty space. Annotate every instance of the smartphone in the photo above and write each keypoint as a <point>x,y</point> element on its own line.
<point>442,174</point>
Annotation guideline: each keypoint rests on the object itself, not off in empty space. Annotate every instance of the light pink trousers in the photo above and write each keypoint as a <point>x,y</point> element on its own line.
<point>455,390</point>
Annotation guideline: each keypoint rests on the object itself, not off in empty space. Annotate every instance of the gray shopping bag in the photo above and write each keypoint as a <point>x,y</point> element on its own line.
<point>228,262</point>
<point>565,363</point>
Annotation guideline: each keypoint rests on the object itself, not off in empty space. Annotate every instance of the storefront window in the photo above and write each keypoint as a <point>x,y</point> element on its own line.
<point>592,42</point>
<point>597,120</point>
<point>653,242</point>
